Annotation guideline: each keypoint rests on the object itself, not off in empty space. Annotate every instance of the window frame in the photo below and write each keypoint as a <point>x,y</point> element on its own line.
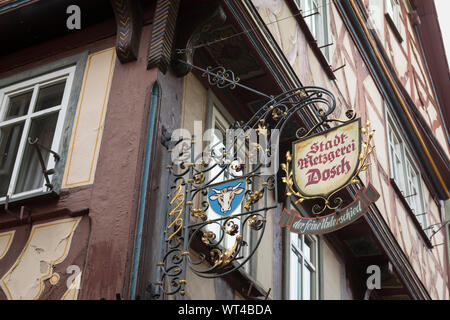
<point>419,207</point>
<point>393,16</point>
<point>297,252</point>
<point>403,185</point>
<point>397,171</point>
<point>393,9</point>
<point>72,68</point>
<point>318,24</point>
<point>316,285</point>
<point>34,84</point>
<point>376,17</point>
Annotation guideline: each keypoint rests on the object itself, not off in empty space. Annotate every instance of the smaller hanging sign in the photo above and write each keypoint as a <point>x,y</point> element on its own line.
<point>322,165</point>
<point>332,222</point>
<point>325,162</point>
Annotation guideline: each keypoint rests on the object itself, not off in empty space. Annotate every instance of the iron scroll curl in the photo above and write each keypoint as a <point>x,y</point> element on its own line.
<point>212,245</point>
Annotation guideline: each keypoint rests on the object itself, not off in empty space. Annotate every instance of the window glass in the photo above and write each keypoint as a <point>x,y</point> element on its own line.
<point>31,176</point>
<point>50,96</point>
<point>221,121</point>
<point>405,173</point>
<point>376,17</point>
<point>18,105</point>
<point>315,13</point>
<point>295,275</point>
<point>307,249</point>
<point>218,139</point>
<point>393,9</point>
<point>307,284</point>
<point>33,109</point>
<point>397,163</point>
<point>9,145</point>
<point>216,173</point>
<point>303,273</point>
<point>415,196</point>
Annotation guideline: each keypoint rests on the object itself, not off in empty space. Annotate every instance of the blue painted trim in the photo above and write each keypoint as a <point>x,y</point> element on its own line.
<point>12,5</point>
<point>144,188</point>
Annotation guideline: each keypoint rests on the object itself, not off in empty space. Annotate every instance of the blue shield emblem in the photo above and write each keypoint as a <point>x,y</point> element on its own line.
<point>225,198</point>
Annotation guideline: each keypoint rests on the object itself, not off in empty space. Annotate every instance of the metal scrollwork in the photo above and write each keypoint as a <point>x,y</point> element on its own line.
<point>223,259</point>
<point>208,237</point>
<point>230,228</point>
<point>221,77</point>
<point>253,197</point>
<point>197,237</point>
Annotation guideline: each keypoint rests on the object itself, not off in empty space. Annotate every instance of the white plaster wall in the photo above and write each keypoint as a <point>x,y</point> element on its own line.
<point>332,274</point>
<point>88,126</point>
<point>198,288</point>
<point>48,244</point>
<point>5,242</point>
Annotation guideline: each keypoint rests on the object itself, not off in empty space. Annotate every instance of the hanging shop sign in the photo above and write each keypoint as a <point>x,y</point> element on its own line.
<point>325,162</point>
<point>322,165</point>
<point>216,207</point>
<point>296,223</point>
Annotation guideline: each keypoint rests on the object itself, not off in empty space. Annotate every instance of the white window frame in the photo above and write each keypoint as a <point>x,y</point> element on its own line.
<point>376,17</point>
<point>396,156</point>
<point>410,187</point>
<point>414,190</point>
<point>319,24</point>
<point>66,74</point>
<point>393,9</point>
<point>299,263</point>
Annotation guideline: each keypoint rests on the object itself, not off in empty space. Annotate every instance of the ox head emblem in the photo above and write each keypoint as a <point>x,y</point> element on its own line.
<point>227,197</point>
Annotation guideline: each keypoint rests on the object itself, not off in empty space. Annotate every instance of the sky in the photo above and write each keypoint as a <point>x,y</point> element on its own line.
<point>443,8</point>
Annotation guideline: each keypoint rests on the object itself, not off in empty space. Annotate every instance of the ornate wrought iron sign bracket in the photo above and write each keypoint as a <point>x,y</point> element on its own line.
<point>217,200</point>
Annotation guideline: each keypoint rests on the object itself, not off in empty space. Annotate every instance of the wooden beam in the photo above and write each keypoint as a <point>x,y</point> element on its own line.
<point>163,34</point>
<point>129,19</point>
<point>196,25</point>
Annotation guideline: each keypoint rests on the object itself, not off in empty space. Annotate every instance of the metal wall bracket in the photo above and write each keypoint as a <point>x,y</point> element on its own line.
<point>339,68</point>
<point>35,142</point>
<point>198,26</point>
<point>188,239</point>
<point>20,215</point>
<point>440,228</point>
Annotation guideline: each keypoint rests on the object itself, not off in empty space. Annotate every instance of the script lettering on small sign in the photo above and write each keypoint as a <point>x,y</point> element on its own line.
<point>296,223</point>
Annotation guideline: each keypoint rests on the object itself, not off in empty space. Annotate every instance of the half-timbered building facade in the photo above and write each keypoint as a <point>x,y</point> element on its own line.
<point>99,103</point>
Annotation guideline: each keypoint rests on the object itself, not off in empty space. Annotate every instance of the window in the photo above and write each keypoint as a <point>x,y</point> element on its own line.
<point>393,16</point>
<point>393,10</point>
<point>375,17</point>
<point>31,109</point>
<point>396,152</point>
<point>316,15</point>
<point>303,273</point>
<point>414,192</point>
<point>405,173</point>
